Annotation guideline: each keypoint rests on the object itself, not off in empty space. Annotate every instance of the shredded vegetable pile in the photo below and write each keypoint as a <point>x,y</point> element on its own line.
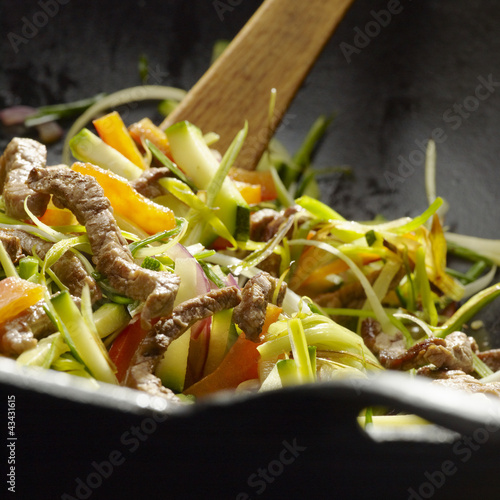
<point>159,263</point>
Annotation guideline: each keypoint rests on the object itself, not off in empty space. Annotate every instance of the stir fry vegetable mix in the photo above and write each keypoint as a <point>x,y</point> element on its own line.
<point>353,290</point>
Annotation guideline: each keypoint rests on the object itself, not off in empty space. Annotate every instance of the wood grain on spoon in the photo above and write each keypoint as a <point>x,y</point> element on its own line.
<point>274,50</point>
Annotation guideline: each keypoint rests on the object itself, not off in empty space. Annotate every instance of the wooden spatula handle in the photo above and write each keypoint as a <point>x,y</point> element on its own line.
<point>275,49</point>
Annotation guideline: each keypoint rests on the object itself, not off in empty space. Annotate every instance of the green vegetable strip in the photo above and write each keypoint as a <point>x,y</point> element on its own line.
<point>468,310</point>
<point>482,369</point>
<point>303,156</point>
<point>166,162</point>
<point>375,304</point>
<point>226,163</point>
<point>419,220</point>
<point>283,195</point>
<point>425,288</point>
<point>8,266</point>
<point>58,111</point>
<point>184,193</point>
<point>318,209</point>
<point>164,235</point>
<point>300,351</point>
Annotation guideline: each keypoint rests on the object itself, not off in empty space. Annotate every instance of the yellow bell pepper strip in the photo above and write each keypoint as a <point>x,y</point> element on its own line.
<point>114,133</point>
<point>127,202</point>
<point>146,129</point>
<point>263,178</point>
<point>58,217</point>
<point>16,295</point>
<point>252,193</point>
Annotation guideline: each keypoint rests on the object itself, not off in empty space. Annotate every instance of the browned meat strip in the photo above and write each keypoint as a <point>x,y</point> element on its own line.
<point>111,255</point>
<point>20,156</point>
<point>250,313</point>
<point>21,333</point>
<point>491,358</point>
<point>457,379</point>
<point>141,374</point>
<point>265,223</point>
<point>147,184</point>
<point>453,353</point>
<point>68,268</point>
<point>12,245</point>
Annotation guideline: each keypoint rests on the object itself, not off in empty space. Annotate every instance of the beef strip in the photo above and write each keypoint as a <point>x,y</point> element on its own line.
<point>457,379</point>
<point>147,184</point>
<point>21,333</point>
<point>453,353</point>
<point>491,358</point>
<point>85,198</point>
<point>12,245</point>
<point>264,224</point>
<point>69,269</point>
<point>250,313</point>
<point>141,373</point>
<point>20,156</point>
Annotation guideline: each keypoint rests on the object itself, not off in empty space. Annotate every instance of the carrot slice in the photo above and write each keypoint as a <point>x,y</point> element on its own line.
<point>263,178</point>
<point>240,364</point>
<point>252,193</point>
<point>127,202</point>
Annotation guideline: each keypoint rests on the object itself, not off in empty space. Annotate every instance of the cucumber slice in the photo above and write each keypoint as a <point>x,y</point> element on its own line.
<point>195,159</point>
<point>109,318</point>
<point>87,147</point>
<point>86,347</point>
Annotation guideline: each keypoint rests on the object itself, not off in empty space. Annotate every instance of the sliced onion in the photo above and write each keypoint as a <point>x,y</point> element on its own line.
<point>15,115</point>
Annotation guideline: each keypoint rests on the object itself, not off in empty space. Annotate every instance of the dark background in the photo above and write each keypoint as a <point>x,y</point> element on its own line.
<point>404,84</point>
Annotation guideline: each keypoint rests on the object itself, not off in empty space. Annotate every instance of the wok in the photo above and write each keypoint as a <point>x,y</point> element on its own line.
<point>395,73</point>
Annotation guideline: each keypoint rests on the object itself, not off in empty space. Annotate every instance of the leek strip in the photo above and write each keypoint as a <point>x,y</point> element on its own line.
<point>474,248</point>
<point>184,193</point>
<point>226,163</point>
<point>284,196</point>
<point>481,368</point>
<point>342,311</point>
<point>164,235</point>
<point>125,96</point>
<point>419,322</point>
<point>430,171</point>
<point>167,162</point>
<point>376,306</point>
<point>468,310</point>
<point>425,288</point>
<point>7,264</point>
<point>303,155</point>
<point>420,219</point>
<point>318,209</point>
<point>45,352</point>
<point>479,284</point>
<point>53,235</point>
<point>298,344</point>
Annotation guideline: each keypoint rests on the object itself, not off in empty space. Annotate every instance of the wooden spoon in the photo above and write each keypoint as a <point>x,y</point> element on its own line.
<point>274,50</point>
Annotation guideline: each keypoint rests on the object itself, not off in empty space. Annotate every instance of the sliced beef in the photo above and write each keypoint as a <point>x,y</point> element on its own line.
<point>452,353</point>
<point>85,198</point>
<point>491,358</point>
<point>264,224</point>
<point>12,245</point>
<point>69,269</point>
<point>250,313</point>
<point>141,374</point>
<point>22,332</point>
<point>20,156</point>
<point>147,184</point>
<point>457,379</point>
